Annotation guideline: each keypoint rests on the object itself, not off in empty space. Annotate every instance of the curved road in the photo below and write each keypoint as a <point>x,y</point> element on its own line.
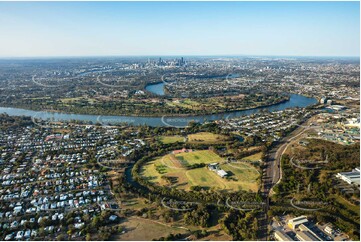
<point>273,173</point>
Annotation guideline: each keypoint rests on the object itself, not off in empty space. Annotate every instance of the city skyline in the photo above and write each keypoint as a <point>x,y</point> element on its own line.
<point>62,29</point>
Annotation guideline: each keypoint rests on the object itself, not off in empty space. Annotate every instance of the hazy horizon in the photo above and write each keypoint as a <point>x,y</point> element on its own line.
<point>177,56</point>
<point>111,29</point>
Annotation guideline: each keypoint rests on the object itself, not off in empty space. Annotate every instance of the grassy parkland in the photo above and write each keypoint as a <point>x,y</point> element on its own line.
<point>189,170</point>
<point>206,137</point>
<point>196,138</point>
<point>171,139</point>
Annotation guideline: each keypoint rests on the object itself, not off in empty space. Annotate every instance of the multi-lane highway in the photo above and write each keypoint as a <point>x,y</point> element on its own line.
<point>273,171</point>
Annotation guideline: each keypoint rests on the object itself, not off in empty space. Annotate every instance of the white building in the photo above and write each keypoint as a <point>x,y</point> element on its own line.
<point>337,107</point>
<point>352,177</point>
<point>222,173</point>
<point>329,230</point>
<point>309,232</point>
<point>213,166</point>
<point>306,236</point>
<point>295,222</point>
<point>280,236</point>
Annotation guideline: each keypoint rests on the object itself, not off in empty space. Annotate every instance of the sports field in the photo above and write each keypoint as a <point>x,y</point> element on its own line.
<point>243,176</point>
<point>171,139</point>
<point>247,175</point>
<point>206,137</point>
<point>255,157</point>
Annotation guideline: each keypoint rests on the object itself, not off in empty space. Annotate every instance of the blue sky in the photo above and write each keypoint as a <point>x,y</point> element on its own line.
<point>179,28</point>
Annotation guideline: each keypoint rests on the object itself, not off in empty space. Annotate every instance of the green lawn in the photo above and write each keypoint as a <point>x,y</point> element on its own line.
<point>206,137</point>
<point>244,176</point>
<point>200,156</point>
<point>171,139</point>
<point>255,157</point>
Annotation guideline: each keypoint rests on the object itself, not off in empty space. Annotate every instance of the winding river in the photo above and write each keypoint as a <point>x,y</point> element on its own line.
<point>294,101</point>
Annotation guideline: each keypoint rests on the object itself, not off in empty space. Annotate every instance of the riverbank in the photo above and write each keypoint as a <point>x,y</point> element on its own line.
<point>294,101</point>
<point>98,112</point>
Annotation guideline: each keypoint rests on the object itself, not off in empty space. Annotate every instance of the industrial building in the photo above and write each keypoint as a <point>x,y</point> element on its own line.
<point>296,222</point>
<point>329,230</point>
<point>309,232</point>
<point>280,236</point>
<point>306,236</point>
<point>286,228</point>
<point>352,177</point>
